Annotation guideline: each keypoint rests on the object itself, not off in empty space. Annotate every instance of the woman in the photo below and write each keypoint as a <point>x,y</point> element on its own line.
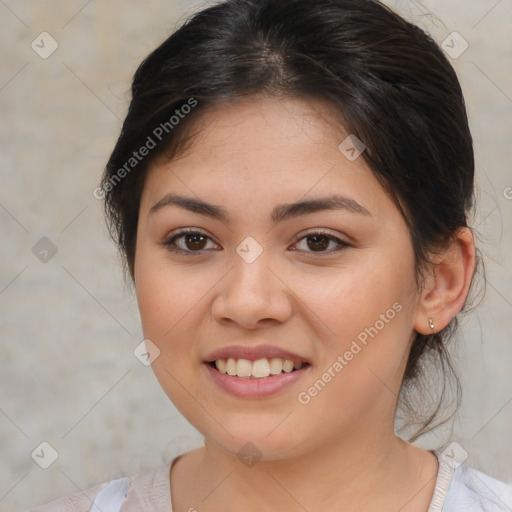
<point>290,193</point>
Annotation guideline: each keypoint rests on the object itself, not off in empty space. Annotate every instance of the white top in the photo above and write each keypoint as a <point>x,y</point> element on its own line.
<point>464,489</point>
<point>457,489</point>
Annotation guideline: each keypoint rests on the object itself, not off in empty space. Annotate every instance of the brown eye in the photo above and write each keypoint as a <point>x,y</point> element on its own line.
<point>187,242</point>
<point>195,242</point>
<point>191,242</point>
<point>318,242</point>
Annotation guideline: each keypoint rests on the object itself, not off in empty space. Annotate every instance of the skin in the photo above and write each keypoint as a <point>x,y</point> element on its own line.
<point>339,451</point>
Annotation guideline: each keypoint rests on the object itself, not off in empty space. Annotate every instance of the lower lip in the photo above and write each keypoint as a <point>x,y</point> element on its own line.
<point>255,388</point>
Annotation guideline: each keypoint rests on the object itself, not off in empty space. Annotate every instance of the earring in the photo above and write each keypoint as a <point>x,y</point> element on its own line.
<point>431,323</point>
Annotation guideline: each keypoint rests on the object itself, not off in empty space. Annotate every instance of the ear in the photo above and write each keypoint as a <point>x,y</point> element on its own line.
<point>447,285</point>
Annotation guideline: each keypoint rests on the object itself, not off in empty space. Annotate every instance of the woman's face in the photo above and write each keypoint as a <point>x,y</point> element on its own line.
<point>259,282</point>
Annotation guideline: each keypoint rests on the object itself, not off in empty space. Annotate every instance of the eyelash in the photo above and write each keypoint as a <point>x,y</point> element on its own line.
<point>169,243</point>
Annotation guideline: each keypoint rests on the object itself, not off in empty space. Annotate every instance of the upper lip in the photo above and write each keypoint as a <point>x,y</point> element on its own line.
<point>253,353</point>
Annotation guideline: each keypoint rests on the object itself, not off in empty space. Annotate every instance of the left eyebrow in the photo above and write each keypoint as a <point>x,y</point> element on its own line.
<point>279,213</point>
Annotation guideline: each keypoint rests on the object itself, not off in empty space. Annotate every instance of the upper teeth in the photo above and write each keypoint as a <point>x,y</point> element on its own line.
<point>258,369</point>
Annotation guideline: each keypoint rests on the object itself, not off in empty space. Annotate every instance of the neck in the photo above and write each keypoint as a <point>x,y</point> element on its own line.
<point>350,474</point>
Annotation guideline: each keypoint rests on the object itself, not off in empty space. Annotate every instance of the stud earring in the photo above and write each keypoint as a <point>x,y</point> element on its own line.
<point>431,323</point>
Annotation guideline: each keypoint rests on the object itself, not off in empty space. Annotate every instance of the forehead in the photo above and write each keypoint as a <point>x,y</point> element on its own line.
<point>265,151</point>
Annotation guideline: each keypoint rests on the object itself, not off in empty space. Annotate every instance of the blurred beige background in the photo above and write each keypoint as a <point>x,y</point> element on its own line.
<point>68,326</point>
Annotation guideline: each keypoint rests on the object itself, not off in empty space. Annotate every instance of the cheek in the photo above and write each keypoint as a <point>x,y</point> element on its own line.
<point>165,293</point>
<point>172,313</point>
<point>166,301</point>
<point>365,312</point>
<point>350,300</point>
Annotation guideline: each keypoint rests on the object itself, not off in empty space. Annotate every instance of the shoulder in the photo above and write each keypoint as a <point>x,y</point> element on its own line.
<point>474,491</point>
<point>150,486</point>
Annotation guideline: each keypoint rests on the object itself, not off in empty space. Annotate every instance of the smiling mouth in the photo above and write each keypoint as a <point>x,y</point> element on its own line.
<point>258,369</point>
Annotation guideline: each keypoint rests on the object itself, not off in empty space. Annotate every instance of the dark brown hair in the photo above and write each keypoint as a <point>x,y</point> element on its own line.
<point>386,79</point>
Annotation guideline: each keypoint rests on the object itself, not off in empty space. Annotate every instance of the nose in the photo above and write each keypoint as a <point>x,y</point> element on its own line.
<point>252,295</point>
